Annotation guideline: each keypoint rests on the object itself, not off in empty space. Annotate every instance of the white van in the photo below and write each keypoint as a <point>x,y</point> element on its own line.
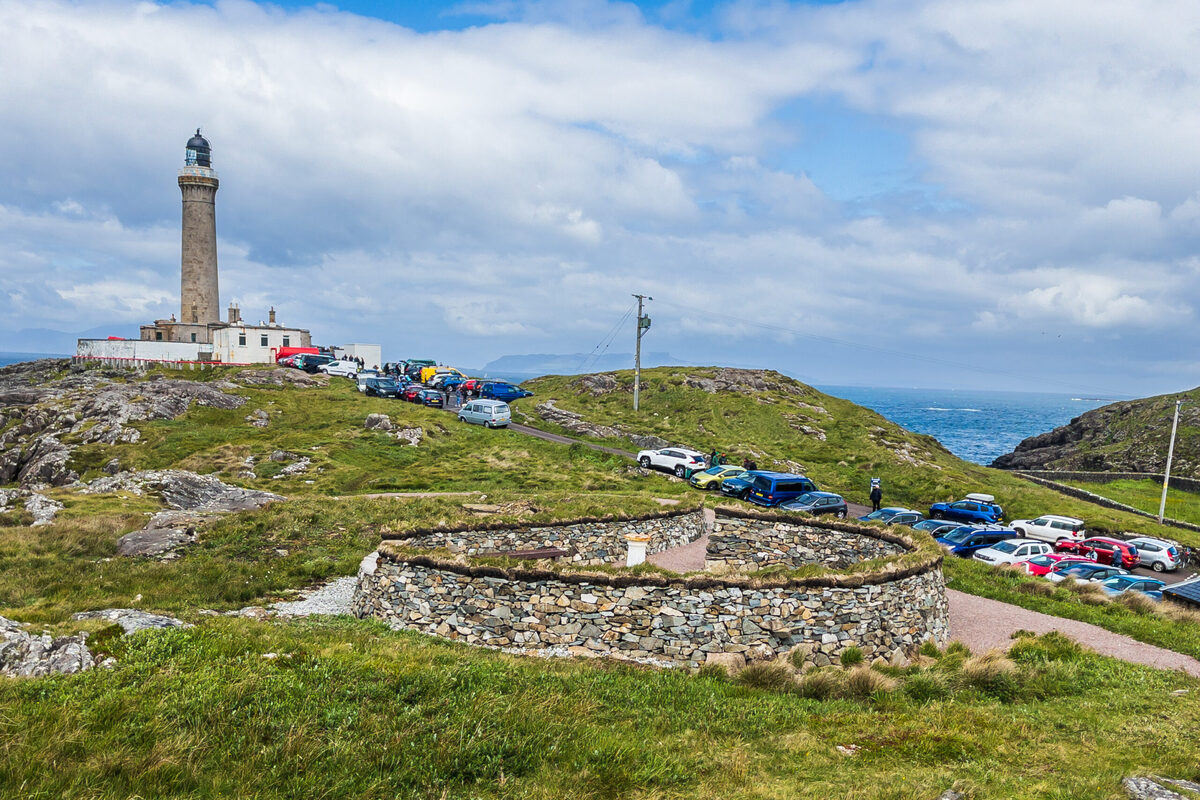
<point>489,413</point>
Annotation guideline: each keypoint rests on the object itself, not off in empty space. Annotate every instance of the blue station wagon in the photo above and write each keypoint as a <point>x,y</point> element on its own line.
<point>773,488</point>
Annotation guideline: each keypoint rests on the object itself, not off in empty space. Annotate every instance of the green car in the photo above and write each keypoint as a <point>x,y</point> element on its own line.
<point>713,477</point>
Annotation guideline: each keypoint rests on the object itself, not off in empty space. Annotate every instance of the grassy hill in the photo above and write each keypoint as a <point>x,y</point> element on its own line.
<point>786,425</point>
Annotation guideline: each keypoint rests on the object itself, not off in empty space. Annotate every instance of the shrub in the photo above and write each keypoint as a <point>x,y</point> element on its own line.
<point>1039,588</point>
<point>992,673</point>
<point>1022,634</point>
<point>1052,646</point>
<point>772,676</point>
<point>714,671</point>
<point>1092,594</point>
<point>925,686</point>
<point>1179,613</point>
<point>821,684</point>
<point>957,647</point>
<point>851,656</point>
<point>929,648</point>
<point>1052,680</point>
<point>1137,602</point>
<point>862,681</point>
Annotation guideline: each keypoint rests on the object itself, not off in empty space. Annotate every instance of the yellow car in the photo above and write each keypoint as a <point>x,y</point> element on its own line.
<point>713,477</point>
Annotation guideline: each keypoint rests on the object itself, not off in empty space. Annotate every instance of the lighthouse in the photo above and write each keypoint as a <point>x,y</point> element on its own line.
<point>199,301</point>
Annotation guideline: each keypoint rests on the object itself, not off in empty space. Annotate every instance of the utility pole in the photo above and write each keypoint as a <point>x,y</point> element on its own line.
<point>1162,504</point>
<point>643,325</point>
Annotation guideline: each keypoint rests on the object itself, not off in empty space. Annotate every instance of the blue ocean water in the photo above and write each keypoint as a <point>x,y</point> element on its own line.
<point>976,426</point>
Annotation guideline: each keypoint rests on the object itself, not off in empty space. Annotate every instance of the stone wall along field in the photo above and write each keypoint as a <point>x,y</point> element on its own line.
<point>588,541</point>
<point>679,620</point>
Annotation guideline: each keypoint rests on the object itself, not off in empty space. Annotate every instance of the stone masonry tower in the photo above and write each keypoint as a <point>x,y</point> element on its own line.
<point>199,303</point>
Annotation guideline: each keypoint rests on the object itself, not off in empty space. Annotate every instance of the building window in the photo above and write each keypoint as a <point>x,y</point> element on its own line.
<point>158,336</point>
<point>264,340</point>
<point>241,340</point>
<point>287,341</point>
<point>193,337</point>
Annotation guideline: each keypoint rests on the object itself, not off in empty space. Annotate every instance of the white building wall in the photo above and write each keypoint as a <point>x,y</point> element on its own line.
<point>139,349</point>
<point>260,343</point>
<point>371,354</point>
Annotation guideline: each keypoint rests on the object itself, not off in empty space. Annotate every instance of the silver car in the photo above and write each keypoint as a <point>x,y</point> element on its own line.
<point>1157,554</point>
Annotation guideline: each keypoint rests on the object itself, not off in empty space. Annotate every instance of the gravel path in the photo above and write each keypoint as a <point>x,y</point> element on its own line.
<point>332,598</point>
<point>982,624</point>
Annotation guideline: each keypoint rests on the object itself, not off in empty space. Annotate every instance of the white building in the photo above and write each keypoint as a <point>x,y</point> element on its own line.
<point>371,354</point>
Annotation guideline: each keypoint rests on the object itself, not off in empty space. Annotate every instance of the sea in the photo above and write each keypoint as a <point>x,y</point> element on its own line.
<point>974,425</point>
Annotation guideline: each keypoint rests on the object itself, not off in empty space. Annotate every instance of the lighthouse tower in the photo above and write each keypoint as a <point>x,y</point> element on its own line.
<point>199,302</point>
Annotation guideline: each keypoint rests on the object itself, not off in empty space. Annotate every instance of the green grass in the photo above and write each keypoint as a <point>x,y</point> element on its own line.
<point>1146,496</point>
<point>859,444</point>
<point>242,559</point>
<point>349,709</point>
<point>973,577</point>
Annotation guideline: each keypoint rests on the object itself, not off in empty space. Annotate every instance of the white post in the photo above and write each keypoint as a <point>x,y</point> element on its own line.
<point>1162,504</point>
<point>637,549</point>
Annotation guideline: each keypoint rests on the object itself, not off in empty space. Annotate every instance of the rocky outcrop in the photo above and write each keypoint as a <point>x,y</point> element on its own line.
<point>50,407</point>
<point>1130,436</point>
<point>26,655</point>
<point>184,490</point>
<point>411,435</point>
<point>163,537</point>
<point>745,381</point>
<point>280,376</point>
<point>1153,788</point>
<point>575,423</point>
<point>41,508</point>
<point>131,620</point>
<point>378,422</point>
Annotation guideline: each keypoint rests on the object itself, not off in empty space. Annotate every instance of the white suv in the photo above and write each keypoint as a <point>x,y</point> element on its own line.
<point>1051,528</point>
<point>672,459</point>
<point>346,369</point>
<point>1011,551</point>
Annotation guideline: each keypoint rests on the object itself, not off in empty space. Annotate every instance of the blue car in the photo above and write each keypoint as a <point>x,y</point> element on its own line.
<point>964,540</point>
<point>974,508</point>
<point>1119,584</point>
<point>936,527</point>
<point>502,391</point>
<point>773,488</point>
<point>894,516</point>
<point>738,486</point>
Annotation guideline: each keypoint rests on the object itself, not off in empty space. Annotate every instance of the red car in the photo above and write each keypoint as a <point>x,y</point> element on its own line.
<point>470,387</point>
<point>1043,564</point>
<point>1103,551</point>
<point>410,393</point>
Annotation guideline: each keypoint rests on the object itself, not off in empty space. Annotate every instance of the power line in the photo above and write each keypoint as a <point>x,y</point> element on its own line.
<point>606,342</point>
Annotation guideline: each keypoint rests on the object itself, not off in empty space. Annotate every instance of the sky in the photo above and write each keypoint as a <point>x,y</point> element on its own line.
<point>997,194</point>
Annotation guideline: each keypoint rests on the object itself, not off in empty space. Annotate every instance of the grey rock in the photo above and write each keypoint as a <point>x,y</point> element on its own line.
<point>258,418</point>
<point>42,508</point>
<point>280,456</point>
<point>112,467</point>
<point>154,542</point>
<point>133,620</point>
<point>295,468</point>
<point>26,655</point>
<point>411,435</point>
<point>378,422</point>
<point>280,376</point>
<point>185,490</point>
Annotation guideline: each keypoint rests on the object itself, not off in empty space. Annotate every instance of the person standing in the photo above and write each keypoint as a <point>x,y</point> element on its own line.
<point>876,495</point>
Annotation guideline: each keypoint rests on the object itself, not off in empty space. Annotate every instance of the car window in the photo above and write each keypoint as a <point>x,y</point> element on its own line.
<point>1005,547</point>
<point>1041,561</point>
<point>762,483</point>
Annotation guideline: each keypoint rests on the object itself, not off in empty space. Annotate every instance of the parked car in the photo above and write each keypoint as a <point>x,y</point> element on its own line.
<point>1103,550</point>
<point>488,413</point>
<point>1157,554</point>
<point>288,361</point>
<point>974,508</point>
<point>430,397</point>
<point>712,477</point>
<point>343,369</point>
<point>363,377</point>
<point>495,390</point>
<point>471,386</point>
<point>411,392</point>
<point>1010,551</point>
<point>1050,528</point>
<point>1120,584</point>
<point>739,485</point>
<point>678,460</point>
<point>311,362</point>
<point>894,516</point>
<point>382,387</point>
<point>817,503</point>
<point>773,488</point>
<point>1083,572</point>
<point>965,540</point>
<point>936,527</point>
<point>1041,565</point>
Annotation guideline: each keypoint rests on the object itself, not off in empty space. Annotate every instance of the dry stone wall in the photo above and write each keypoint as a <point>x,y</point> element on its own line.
<point>754,542</point>
<point>667,619</point>
<point>587,541</point>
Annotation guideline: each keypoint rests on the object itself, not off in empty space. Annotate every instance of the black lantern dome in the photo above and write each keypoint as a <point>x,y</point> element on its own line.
<point>199,154</point>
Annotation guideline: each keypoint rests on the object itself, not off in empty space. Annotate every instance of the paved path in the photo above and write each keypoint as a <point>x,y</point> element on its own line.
<point>982,624</point>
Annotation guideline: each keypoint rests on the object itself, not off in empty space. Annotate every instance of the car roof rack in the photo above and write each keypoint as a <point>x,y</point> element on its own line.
<point>981,497</point>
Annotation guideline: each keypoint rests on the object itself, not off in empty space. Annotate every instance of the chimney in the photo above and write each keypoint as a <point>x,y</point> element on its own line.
<point>272,315</point>
<point>233,314</point>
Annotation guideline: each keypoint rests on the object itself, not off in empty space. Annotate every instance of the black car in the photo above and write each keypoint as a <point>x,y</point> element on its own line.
<point>817,503</point>
<point>382,387</point>
<point>312,363</point>
<point>429,397</point>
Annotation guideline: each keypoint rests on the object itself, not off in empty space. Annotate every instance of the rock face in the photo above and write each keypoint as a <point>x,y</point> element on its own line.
<point>132,620</point>
<point>50,407</point>
<point>575,423</point>
<point>185,491</point>
<point>1128,436</point>
<point>26,655</point>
